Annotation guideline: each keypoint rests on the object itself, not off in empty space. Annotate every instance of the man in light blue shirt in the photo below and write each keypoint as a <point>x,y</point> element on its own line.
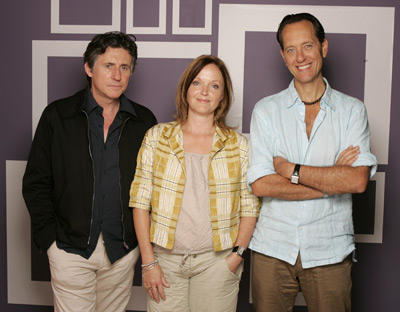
<point>309,150</point>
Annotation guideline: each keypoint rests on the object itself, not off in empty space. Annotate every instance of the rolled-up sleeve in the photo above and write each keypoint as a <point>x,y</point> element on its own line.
<point>249,203</point>
<point>261,149</point>
<point>141,187</point>
<point>358,134</point>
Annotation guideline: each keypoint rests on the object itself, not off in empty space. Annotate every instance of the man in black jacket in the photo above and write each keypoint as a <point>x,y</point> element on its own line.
<point>76,184</point>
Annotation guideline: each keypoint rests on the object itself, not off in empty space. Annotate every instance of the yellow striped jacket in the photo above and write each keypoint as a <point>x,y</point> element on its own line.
<point>160,179</point>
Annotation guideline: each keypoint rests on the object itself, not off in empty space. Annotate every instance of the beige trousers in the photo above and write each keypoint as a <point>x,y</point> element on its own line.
<point>93,284</point>
<point>198,283</point>
<point>275,285</point>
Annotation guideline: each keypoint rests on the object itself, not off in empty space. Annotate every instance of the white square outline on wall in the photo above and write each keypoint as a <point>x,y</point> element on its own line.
<point>377,23</point>
<point>42,49</point>
<point>377,237</point>
<point>19,245</point>
<point>177,30</point>
<point>56,28</point>
<point>18,220</point>
<point>162,20</point>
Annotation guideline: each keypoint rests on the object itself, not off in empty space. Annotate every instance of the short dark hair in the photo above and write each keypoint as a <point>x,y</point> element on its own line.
<point>295,18</point>
<point>113,39</point>
<point>186,80</point>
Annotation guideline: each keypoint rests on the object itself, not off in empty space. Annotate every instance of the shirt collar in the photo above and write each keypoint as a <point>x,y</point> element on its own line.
<point>91,103</point>
<point>125,105</point>
<point>327,98</point>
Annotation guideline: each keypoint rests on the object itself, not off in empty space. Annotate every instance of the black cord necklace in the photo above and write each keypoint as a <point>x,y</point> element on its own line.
<point>314,102</point>
<point>317,100</point>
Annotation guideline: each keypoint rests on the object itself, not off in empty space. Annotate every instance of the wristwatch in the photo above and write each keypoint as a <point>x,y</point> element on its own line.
<point>295,175</point>
<point>239,250</point>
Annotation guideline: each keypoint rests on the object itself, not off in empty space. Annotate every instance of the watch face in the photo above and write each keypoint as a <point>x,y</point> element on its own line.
<point>240,251</point>
<point>294,179</point>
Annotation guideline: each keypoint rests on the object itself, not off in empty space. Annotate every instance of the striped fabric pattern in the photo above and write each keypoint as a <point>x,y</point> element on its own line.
<point>160,179</point>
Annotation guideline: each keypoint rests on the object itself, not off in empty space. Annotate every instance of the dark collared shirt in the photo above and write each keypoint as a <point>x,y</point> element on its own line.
<point>107,210</point>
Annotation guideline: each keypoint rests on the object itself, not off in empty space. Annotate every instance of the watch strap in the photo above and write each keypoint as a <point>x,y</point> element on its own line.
<point>239,250</point>
<point>296,174</point>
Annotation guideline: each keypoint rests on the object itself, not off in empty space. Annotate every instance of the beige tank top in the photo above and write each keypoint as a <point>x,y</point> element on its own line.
<point>193,233</point>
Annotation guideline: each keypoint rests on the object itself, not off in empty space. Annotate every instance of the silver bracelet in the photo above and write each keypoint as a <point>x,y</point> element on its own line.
<point>150,263</point>
<point>148,268</point>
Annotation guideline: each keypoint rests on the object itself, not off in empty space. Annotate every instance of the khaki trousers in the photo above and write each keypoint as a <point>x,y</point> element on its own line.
<point>275,285</point>
<point>93,284</point>
<point>198,283</point>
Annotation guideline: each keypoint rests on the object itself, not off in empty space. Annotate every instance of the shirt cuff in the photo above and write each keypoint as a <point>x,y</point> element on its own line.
<point>257,171</point>
<point>367,159</point>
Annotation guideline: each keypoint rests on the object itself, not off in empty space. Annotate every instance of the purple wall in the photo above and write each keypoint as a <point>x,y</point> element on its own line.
<point>375,276</point>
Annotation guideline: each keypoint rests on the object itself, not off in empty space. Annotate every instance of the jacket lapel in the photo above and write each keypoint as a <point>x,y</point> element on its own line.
<point>174,136</point>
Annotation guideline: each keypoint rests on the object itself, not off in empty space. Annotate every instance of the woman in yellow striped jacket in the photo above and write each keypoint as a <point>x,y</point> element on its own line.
<point>193,212</point>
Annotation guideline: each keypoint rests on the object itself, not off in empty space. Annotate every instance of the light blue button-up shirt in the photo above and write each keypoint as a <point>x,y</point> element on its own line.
<point>320,229</point>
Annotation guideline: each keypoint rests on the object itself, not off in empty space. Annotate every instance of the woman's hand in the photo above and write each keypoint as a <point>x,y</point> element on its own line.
<point>154,283</point>
<point>233,261</point>
<point>153,277</point>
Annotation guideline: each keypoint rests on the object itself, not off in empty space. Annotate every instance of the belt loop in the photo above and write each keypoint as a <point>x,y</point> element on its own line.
<point>185,256</point>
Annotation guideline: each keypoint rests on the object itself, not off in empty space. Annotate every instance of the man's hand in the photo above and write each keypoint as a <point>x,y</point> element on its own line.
<point>283,167</point>
<point>348,156</point>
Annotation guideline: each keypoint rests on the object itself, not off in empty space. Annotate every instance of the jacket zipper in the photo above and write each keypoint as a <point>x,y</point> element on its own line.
<point>94,178</point>
<point>120,197</point>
